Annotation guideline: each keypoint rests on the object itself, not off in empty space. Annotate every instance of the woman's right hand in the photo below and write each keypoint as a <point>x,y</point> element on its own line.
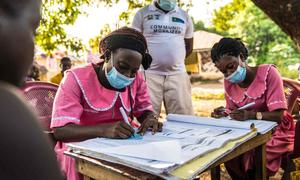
<point>219,112</point>
<point>117,130</point>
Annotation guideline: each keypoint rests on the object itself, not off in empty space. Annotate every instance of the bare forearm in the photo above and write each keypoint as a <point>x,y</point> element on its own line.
<point>72,132</point>
<point>188,46</point>
<point>275,116</point>
<point>189,51</point>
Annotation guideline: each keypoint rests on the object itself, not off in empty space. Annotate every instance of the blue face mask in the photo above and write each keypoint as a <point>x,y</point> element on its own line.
<point>167,5</point>
<point>238,75</point>
<point>118,80</point>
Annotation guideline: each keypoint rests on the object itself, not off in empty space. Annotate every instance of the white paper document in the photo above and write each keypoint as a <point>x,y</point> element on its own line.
<point>158,150</point>
<point>261,125</point>
<point>183,138</point>
<point>222,122</point>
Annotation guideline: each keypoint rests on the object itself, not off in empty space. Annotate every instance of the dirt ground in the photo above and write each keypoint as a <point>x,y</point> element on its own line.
<point>203,107</point>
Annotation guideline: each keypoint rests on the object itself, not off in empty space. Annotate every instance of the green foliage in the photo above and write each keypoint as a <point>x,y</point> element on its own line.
<point>226,14</point>
<point>285,72</point>
<point>199,25</point>
<point>55,15</point>
<point>132,6</point>
<point>265,40</point>
<point>94,42</point>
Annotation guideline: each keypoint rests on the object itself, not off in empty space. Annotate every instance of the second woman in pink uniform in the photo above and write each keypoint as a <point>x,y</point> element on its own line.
<point>243,85</point>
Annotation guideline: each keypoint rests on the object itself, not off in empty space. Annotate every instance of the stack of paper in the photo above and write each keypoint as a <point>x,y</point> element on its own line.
<point>183,139</point>
<point>260,125</point>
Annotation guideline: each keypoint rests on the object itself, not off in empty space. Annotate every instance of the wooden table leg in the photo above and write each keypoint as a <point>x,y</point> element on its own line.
<point>215,173</point>
<point>86,178</point>
<point>260,162</point>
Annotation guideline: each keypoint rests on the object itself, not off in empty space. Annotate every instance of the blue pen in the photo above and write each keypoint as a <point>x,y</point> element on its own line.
<point>125,117</point>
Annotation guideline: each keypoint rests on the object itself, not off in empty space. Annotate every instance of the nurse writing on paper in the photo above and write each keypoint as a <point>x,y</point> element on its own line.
<point>243,85</point>
<point>89,98</point>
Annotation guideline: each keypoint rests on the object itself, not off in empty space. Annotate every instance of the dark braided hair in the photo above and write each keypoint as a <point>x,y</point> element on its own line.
<point>228,47</point>
<point>128,38</point>
<point>65,59</point>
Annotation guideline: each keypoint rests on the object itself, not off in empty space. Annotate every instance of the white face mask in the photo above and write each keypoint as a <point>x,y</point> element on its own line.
<point>167,5</point>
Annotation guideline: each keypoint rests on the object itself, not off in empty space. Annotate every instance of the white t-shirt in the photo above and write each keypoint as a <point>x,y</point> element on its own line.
<point>165,34</point>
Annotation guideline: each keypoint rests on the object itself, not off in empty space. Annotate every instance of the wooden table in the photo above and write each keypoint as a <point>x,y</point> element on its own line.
<point>259,144</point>
<point>99,169</point>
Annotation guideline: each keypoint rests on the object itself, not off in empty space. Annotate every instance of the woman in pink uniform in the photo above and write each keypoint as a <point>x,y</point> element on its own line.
<point>243,85</point>
<point>89,97</point>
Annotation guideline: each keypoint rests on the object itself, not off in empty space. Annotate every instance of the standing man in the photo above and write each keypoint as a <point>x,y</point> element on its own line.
<point>169,33</point>
<point>65,64</point>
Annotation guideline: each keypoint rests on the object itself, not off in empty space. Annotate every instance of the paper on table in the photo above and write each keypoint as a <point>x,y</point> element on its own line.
<point>223,122</point>
<point>193,140</point>
<point>172,130</point>
<point>196,166</point>
<point>263,126</point>
<point>155,151</point>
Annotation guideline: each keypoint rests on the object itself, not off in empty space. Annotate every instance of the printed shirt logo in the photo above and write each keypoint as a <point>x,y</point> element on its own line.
<point>153,16</point>
<point>175,19</point>
<point>166,29</point>
<point>150,17</point>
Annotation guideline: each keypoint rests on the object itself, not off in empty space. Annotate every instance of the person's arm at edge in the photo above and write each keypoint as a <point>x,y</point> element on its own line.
<point>189,43</point>
<point>26,151</point>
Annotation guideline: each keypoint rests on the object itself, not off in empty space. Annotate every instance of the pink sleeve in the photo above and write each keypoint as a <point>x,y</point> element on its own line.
<point>275,98</point>
<point>67,108</point>
<point>142,98</point>
<point>229,104</point>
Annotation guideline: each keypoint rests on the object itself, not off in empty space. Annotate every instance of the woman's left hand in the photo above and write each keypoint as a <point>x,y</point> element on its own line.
<point>242,115</point>
<point>150,122</point>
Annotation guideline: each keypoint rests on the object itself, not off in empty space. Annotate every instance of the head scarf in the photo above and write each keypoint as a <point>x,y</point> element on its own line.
<point>127,38</point>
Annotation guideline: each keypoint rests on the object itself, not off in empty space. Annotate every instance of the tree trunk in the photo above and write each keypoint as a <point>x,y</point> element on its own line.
<point>285,13</point>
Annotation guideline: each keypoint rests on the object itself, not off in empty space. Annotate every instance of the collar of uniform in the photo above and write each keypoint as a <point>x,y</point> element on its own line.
<point>152,7</point>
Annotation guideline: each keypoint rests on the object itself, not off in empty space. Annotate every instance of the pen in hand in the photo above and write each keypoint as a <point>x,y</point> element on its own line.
<point>124,115</point>
<point>246,106</point>
<point>243,107</point>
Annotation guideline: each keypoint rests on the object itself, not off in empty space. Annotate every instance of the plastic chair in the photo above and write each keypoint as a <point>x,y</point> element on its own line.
<point>292,93</point>
<point>41,96</point>
<point>295,156</point>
